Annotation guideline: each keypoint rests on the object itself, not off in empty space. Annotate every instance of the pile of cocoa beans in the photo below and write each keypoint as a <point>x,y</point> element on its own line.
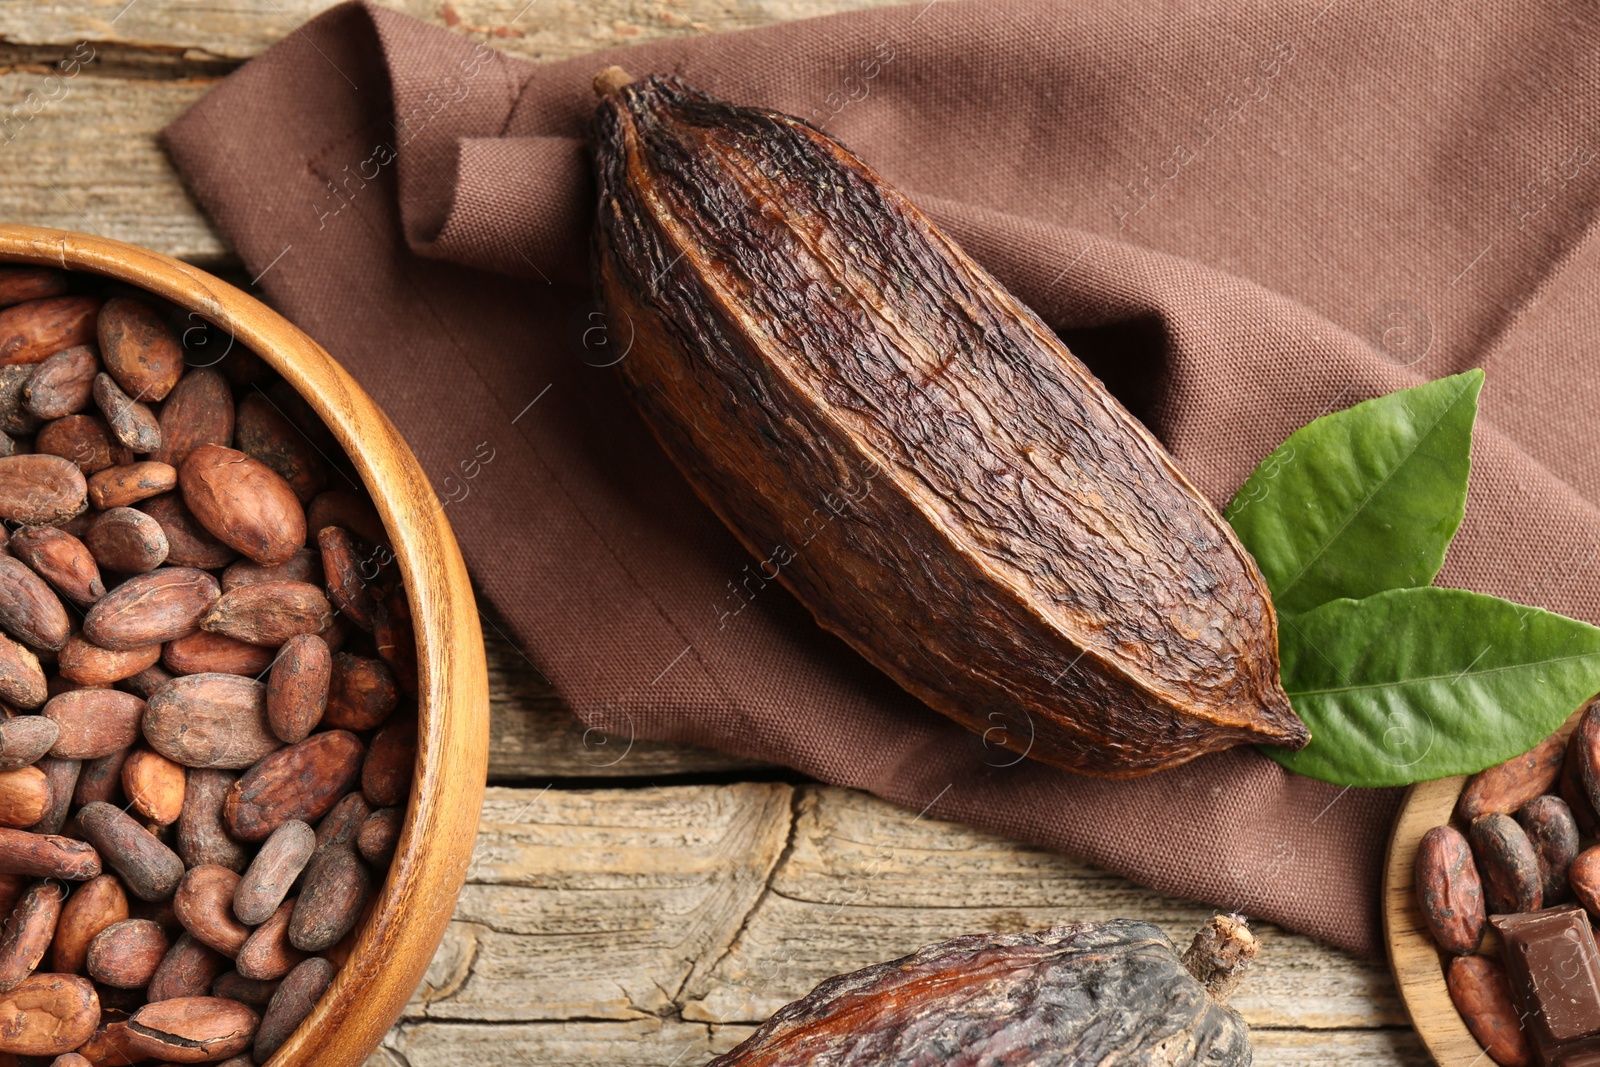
<point>1525,823</point>
<point>207,687</point>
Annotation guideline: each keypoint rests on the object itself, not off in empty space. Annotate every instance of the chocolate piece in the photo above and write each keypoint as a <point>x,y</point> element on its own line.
<point>1554,966</point>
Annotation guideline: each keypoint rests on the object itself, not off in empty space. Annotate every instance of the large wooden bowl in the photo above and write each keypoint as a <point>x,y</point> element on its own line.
<point>394,946</point>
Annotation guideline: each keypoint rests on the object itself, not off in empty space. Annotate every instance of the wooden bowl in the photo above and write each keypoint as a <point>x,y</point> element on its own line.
<point>396,942</point>
<point>1416,960</point>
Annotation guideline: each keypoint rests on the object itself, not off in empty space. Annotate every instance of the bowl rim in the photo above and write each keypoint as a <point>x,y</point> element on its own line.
<point>390,955</point>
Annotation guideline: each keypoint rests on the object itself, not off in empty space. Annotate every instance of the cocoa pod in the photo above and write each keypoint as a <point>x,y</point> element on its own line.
<point>192,1029</point>
<point>1553,833</point>
<point>96,904</point>
<point>1511,876</point>
<point>84,441</point>
<point>24,739</point>
<point>202,838</point>
<point>269,613</point>
<point>188,543</point>
<point>1482,995</point>
<point>396,639</point>
<point>1507,786</point>
<point>149,609</point>
<point>126,540</point>
<point>267,955</point>
<point>390,764</point>
<point>210,720</point>
<point>235,986</point>
<point>62,384</point>
<point>243,503</point>
<point>299,993</point>
<point>128,484</point>
<point>198,412</point>
<point>47,1015</point>
<point>28,932</point>
<point>261,432</point>
<point>41,489</point>
<point>132,424</point>
<point>86,663</point>
<point>19,283</point>
<point>1154,680</point>
<point>209,653</point>
<point>262,889</point>
<point>361,693</point>
<point>60,559</point>
<point>62,775</point>
<point>297,688</point>
<point>139,348</point>
<point>187,970</point>
<point>125,955</point>
<point>349,572</point>
<point>101,779</point>
<point>94,722</point>
<point>339,828</point>
<point>332,894</point>
<point>380,835</point>
<point>24,797</point>
<point>351,511</point>
<point>149,869</point>
<point>15,418</point>
<point>304,566</point>
<point>154,786</point>
<point>36,329</point>
<point>302,781</point>
<point>204,905</point>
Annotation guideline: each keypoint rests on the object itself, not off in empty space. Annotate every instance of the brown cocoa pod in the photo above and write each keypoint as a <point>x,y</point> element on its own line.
<point>19,283</point>
<point>243,503</point>
<point>263,433</point>
<point>192,1029</point>
<point>204,905</point>
<point>1512,880</point>
<point>22,684</point>
<point>267,955</point>
<point>302,781</point>
<point>187,970</point>
<point>63,777</point>
<point>139,348</point>
<point>188,543</point>
<point>304,566</point>
<point>235,986</point>
<point>62,384</point>
<point>101,779</point>
<point>149,609</point>
<point>126,540</point>
<point>334,890</point>
<point>28,932</point>
<point>299,993</point>
<point>351,511</point>
<point>25,739</point>
<point>149,680</point>
<point>33,330</point>
<point>340,827</point>
<point>209,653</point>
<point>392,632</point>
<point>269,613</point>
<point>84,441</point>
<point>1507,786</point>
<point>149,869</point>
<point>24,797</point>
<point>125,955</point>
<point>380,835</point>
<point>391,762</point>
<point>86,663</point>
<point>210,720</point>
<point>41,489</point>
<point>349,573</point>
<point>284,854</point>
<point>96,904</point>
<point>128,484</point>
<point>297,688</point>
<point>1553,832</point>
<point>154,785</point>
<point>132,423</point>
<point>47,1015</point>
<point>361,693</point>
<point>198,412</point>
<point>1482,995</point>
<point>60,559</point>
<point>202,838</point>
<point>94,722</point>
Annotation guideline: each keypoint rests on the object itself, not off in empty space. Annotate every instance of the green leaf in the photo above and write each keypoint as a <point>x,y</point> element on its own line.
<point>1362,500</point>
<point>1415,684</point>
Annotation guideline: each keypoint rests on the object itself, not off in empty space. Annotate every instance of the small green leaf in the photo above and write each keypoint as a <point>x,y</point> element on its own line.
<point>1363,500</point>
<point>1415,684</point>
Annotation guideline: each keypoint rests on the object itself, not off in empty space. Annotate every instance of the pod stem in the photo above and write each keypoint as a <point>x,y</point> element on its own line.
<point>610,81</point>
<point>1220,955</point>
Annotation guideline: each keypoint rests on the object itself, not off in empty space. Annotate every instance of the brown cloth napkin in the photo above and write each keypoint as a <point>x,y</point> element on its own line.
<point>1242,215</point>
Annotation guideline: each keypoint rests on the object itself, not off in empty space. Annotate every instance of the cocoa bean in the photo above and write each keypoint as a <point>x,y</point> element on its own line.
<point>188,543</point>
<point>209,653</point>
<point>28,932</point>
<point>391,762</point>
<point>1583,878</point>
<point>128,484</point>
<point>84,441</point>
<point>72,1059</point>
<point>192,1029</point>
<point>392,632</point>
<point>198,412</point>
<point>302,781</point>
<point>62,775</point>
<point>204,905</point>
<point>126,540</point>
<point>299,411</point>
<point>299,993</point>
<point>62,384</point>
<point>269,613</point>
<point>154,786</point>
<point>263,433</point>
<point>24,739</point>
<point>1553,833</point>
<point>41,489</point>
<point>12,886</point>
<point>149,680</point>
<point>24,797</point>
<point>334,891</point>
<point>297,689</point>
<point>235,986</point>
<point>243,503</point>
<point>361,693</point>
<point>60,559</point>
<point>86,663</point>
<point>36,329</point>
<point>101,779</point>
<point>148,609</point>
<point>15,418</point>
<point>187,970</point>
<point>267,955</point>
<point>210,720</point>
<point>94,722</point>
<point>202,839</point>
<point>132,423</point>
<point>338,829</point>
<point>125,955</point>
<point>47,1015</point>
<point>149,869</point>
<point>139,348</point>
<point>109,1045</point>
<point>304,566</point>
<point>22,684</point>
<point>284,854</point>
<point>1511,877</point>
<point>353,512</point>
<point>380,834</point>
<point>19,283</point>
<point>96,904</point>
<point>1482,995</point>
<point>350,573</point>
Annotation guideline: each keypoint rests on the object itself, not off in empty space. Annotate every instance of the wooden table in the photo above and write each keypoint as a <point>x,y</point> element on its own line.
<point>633,904</point>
